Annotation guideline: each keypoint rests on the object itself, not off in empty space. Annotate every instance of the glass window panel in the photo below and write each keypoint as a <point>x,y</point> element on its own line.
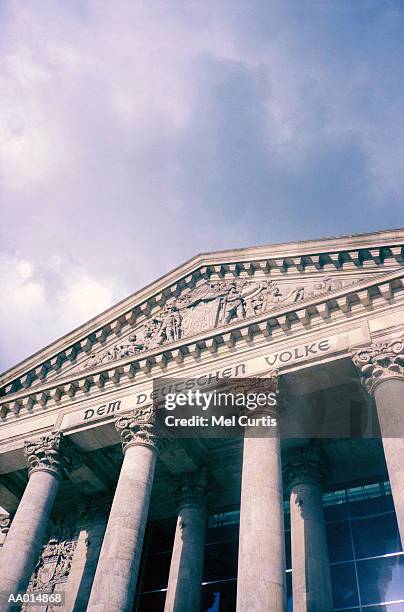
<point>345,592</point>
<point>287,520</point>
<point>336,512</point>
<point>223,533</point>
<point>376,505</point>
<point>387,486</point>
<point>289,606</point>
<point>355,492</point>
<point>399,607</point>
<point>220,561</point>
<point>334,497</point>
<point>288,550</point>
<point>160,535</point>
<point>339,541</point>
<point>156,570</point>
<point>219,597</point>
<point>150,601</point>
<point>374,536</point>
<point>230,517</point>
<point>365,491</point>
<point>381,580</point>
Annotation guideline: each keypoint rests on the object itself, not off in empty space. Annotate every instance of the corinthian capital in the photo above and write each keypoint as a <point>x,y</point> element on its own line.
<point>139,428</point>
<point>190,489</point>
<point>261,385</point>
<point>380,361</point>
<point>304,465</point>
<point>51,453</point>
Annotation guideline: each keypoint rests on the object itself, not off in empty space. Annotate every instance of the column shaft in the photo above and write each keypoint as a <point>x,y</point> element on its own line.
<point>25,538</point>
<point>381,366</point>
<point>184,582</point>
<point>48,458</point>
<point>311,578</point>
<point>389,398</point>
<point>261,563</point>
<point>115,579</point>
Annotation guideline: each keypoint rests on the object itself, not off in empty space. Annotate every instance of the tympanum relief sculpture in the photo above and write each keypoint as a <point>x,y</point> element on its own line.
<point>211,304</point>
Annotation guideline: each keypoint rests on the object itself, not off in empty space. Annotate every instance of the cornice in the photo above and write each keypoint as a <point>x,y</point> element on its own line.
<point>281,321</point>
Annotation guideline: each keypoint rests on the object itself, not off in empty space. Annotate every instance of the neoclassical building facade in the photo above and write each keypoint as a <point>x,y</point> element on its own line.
<point>113,512</point>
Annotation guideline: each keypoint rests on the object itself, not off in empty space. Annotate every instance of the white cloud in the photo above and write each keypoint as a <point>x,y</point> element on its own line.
<point>33,315</point>
<point>133,136</point>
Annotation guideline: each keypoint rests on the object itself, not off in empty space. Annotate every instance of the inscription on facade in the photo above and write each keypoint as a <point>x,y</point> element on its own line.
<point>300,352</point>
<point>283,357</point>
<point>109,408</point>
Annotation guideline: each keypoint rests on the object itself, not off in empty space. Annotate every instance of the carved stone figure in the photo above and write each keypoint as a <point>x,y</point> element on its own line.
<point>326,285</point>
<point>210,304</point>
<point>150,332</point>
<point>170,326</point>
<point>54,564</point>
<point>233,304</point>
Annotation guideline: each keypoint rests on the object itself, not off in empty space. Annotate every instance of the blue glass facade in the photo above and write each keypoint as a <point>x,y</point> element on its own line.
<point>366,558</point>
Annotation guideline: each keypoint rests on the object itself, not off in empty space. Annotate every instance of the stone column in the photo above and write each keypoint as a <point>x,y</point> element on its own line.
<point>261,581</point>
<point>47,459</point>
<point>382,368</point>
<point>304,474</point>
<point>185,579</point>
<point>115,578</point>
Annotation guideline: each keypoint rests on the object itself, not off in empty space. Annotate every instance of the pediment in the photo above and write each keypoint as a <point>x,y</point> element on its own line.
<point>211,305</point>
<point>209,293</point>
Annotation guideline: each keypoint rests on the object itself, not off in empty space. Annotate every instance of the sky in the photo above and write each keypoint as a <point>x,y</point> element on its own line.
<point>134,135</point>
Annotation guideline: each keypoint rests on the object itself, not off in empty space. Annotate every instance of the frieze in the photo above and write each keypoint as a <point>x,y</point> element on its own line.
<point>283,358</point>
<point>209,305</point>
